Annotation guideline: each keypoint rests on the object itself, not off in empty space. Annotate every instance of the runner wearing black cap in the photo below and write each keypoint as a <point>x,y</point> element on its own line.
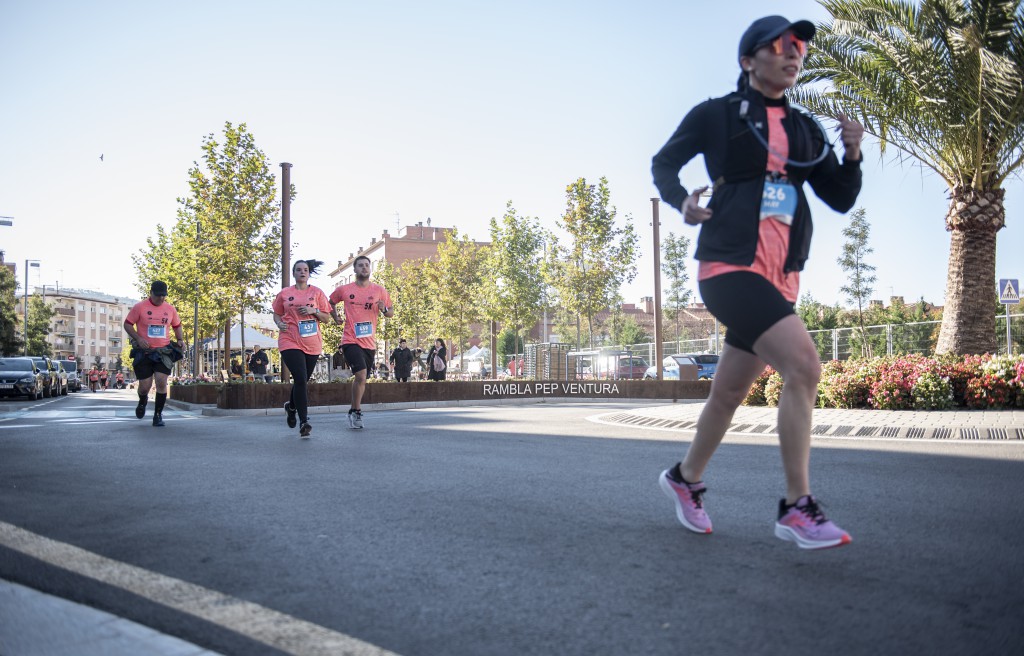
<point>148,325</point>
<point>755,236</point>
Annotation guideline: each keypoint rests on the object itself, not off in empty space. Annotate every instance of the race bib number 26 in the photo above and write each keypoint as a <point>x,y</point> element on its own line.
<point>778,201</point>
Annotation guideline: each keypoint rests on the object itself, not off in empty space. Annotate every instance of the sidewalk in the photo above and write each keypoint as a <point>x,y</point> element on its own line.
<point>39,624</point>
<point>961,424</point>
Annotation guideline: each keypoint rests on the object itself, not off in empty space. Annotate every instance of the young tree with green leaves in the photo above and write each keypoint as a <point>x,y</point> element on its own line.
<point>224,249</point>
<point>455,279</point>
<point>941,81</point>
<point>674,253</point>
<point>38,327</point>
<point>599,256</point>
<point>861,277</point>
<point>513,289</point>
<point>9,342</point>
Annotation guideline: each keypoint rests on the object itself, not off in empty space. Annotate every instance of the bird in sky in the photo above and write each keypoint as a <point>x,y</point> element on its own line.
<point>101,157</point>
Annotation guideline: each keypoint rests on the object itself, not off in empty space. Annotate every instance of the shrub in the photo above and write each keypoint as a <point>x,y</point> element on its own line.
<point>756,394</point>
<point>932,392</point>
<point>844,385</point>
<point>891,389</point>
<point>988,391</point>
<point>773,389</point>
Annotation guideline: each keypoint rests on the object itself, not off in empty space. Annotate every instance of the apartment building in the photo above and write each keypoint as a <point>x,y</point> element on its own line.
<point>85,324</point>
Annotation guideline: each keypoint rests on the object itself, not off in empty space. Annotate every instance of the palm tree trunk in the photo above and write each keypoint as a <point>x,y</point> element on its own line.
<point>968,319</point>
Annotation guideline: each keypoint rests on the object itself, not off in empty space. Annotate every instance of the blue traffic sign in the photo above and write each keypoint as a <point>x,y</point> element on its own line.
<point>1009,291</point>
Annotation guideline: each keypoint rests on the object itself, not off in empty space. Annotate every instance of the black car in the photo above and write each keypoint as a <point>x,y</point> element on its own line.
<point>45,364</point>
<point>21,377</point>
<point>74,377</point>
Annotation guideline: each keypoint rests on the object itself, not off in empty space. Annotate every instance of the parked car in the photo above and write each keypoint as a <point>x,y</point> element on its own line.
<point>46,364</point>
<point>21,377</point>
<point>62,377</point>
<point>628,367</point>
<point>670,366</point>
<point>707,363</point>
<point>74,377</point>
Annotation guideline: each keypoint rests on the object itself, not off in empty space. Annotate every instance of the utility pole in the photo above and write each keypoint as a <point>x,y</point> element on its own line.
<point>286,237</point>
<point>659,348</point>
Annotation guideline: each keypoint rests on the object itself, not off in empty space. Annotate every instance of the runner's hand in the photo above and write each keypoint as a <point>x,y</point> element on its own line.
<point>693,213</point>
<point>852,133</point>
<point>143,344</point>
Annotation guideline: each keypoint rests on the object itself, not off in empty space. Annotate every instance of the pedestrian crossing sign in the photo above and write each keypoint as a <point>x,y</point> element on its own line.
<point>1009,291</point>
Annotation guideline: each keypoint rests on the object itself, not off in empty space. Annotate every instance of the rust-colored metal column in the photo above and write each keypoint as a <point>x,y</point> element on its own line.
<point>286,238</point>
<point>659,349</point>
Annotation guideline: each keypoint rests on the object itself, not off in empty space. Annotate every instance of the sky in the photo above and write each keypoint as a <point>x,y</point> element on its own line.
<point>391,113</point>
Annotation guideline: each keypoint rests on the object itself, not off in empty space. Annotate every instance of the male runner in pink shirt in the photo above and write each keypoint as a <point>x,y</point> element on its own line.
<point>148,324</point>
<point>362,302</point>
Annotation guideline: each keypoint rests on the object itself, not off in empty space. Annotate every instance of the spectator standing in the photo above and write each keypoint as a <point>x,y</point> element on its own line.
<point>258,363</point>
<point>437,360</point>
<point>401,359</point>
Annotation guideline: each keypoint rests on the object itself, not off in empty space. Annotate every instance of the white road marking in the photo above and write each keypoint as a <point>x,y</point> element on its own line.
<point>278,630</point>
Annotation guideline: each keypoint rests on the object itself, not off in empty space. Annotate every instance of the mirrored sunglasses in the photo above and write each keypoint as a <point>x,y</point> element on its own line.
<point>778,44</point>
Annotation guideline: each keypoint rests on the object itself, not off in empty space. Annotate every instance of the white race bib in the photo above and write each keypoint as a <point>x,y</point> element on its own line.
<point>778,201</point>
<point>364,329</point>
<point>158,331</point>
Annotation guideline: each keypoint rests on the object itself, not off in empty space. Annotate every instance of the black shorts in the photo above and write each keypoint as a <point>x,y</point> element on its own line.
<point>145,368</point>
<point>746,303</point>
<point>357,357</point>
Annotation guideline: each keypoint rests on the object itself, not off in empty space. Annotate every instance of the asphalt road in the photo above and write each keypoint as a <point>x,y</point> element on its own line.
<point>501,530</point>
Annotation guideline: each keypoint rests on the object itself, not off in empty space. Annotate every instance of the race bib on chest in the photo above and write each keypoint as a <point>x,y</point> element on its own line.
<point>364,329</point>
<point>778,201</point>
<point>158,331</point>
<point>308,328</point>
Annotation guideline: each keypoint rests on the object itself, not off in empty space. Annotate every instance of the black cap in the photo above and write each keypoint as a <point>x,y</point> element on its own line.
<point>766,29</point>
<point>158,288</point>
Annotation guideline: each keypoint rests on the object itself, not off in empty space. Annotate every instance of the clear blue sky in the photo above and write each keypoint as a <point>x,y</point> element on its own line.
<point>443,109</point>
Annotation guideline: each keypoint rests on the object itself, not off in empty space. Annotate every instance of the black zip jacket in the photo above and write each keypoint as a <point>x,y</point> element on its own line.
<point>737,162</point>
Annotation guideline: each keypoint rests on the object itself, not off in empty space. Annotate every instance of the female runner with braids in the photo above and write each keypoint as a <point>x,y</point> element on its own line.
<point>298,312</point>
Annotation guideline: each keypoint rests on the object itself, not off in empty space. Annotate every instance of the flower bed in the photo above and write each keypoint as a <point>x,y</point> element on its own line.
<point>910,381</point>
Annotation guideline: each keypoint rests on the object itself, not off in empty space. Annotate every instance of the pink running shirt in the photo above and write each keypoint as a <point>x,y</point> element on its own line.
<point>154,322</point>
<point>773,236</point>
<point>361,312</point>
<point>303,331</point>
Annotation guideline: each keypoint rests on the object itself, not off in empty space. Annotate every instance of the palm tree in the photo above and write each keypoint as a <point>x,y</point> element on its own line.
<point>940,81</point>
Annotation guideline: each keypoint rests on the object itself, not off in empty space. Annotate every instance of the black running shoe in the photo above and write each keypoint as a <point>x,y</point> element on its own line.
<point>140,410</point>
<point>158,419</point>
<point>305,430</point>
<point>292,414</point>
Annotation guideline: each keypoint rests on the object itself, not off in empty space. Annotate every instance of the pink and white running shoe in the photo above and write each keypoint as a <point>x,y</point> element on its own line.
<point>806,524</point>
<point>688,498</point>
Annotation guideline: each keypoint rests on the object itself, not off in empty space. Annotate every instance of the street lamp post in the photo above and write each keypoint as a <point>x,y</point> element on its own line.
<point>34,263</point>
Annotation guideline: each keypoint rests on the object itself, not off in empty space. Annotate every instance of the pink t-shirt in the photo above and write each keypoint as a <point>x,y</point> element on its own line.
<point>773,235</point>
<point>303,331</point>
<point>361,312</point>
<point>154,322</point>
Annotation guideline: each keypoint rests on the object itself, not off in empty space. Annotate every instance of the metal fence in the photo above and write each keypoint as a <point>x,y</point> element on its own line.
<point>845,343</point>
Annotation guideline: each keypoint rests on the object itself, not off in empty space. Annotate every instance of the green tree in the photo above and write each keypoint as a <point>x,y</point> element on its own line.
<point>386,275</point>
<point>599,257</point>
<point>413,301</point>
<point>674,253</point>
<point>224,249</point>
<point>509,344</point>
<point>513,289</point>
<point>454,284</point>
<point>819,317</point>
<point>10,344</point>
<point>38,327</point>
<point>632,333</point>
<point>861,277</point>
<point>941,81</point>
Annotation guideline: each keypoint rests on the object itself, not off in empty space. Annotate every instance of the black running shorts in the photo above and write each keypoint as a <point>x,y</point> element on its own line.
<point>357,357</point>
<point>746,303</point>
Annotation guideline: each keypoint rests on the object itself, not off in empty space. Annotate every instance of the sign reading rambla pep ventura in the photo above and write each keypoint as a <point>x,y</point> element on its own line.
<point>549,388</point>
